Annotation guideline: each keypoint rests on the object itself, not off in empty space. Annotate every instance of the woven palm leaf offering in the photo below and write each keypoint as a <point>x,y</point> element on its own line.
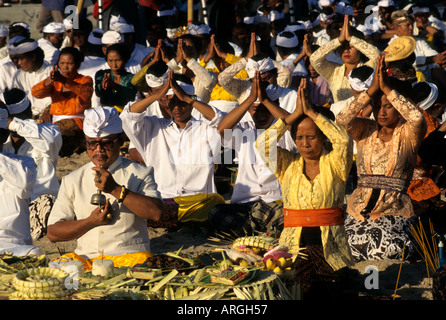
<point>172,260</point>
<point>42,283</point>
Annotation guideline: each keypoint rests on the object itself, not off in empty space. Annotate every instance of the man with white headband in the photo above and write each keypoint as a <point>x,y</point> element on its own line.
<point>17,177</point>
<point>42,143</point>
<point>118,227</point>
<point>33,69</point>
<point>273,76</point>
<point>287,45</point>
<point>9,65</point>
<point>52,41</point>
<point>182,150</point>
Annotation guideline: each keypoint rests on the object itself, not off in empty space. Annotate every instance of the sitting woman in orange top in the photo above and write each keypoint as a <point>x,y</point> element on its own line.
<point>70,93</point>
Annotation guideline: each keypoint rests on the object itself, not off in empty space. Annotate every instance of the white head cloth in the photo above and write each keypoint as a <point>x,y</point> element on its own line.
<point>54,27</point>
<point>4,31</point>
<point>199,29</point>
<point>294,27</point>
<point>15,48</point>
<point>358,84</point>
<point>286,42</point>
<point>188,89</point>
<point>95,36</point>
<point>166,13</point>
<point>171,33</point>
<point>431,98</point>
<point>363,29</point>
<point>324,3</point>
<point>385,3</point>
<point>420,10</point>
<point>111,37</point>
<point>17,107</point>
<point>114,19</point>
<point>21,24</point>
<point>263,65</point>
<point>276,15</point>
<point>102,122</point>
<point>68,23</point>
<point>154,81</point>
<point>306,24</point>
<point>248,20</point>
<point>122,27</point>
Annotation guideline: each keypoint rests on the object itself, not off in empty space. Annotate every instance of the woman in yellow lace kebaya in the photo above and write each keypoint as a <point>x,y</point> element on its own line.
<point>350,48</point>
<point>380,211</point>
<point>313,185</point>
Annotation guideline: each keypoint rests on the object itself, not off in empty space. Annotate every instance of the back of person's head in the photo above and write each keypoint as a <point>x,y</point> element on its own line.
<point>17,103</point>
<point>158,69</point>
<point>182,78</point>
<point>77,55</point>
<point>121,49</point>
<point>19,29</point>
<point>362,73</point>
<point>196,41</point>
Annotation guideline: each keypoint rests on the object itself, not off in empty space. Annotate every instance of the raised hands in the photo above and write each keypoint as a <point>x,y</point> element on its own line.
<point>54,76</point>
<point>253,47</point>
<point>345,31</point>
<point>106,82</point>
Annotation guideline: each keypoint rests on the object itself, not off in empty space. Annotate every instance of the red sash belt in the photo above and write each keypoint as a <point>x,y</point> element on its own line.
<point>313,217</point>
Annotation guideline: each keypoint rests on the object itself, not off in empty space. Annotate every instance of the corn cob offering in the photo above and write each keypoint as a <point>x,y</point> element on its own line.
<point>39,284</point>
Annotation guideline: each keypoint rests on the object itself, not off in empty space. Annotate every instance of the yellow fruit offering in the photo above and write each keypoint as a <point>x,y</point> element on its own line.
<point>270,264</point>
<point>277,270</point>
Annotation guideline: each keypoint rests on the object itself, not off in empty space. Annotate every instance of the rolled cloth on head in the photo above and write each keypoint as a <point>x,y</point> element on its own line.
<point>199,29</point>
<point>358,84</point>
<point>16,100</point>
<point>263,65</point>
<point>102,122</point>
<point>22,46</point>
<point>111,37</point>
<point>95,37</point>
<point>154,81</point>
<point>68,23</point>
<point>54,27</point>
<point>431,98</point>
<point>122,27</point>
<point>188,88</point>
<point>287,39</point>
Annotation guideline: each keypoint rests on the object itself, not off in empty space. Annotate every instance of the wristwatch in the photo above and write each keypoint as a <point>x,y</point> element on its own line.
<point>193,98</point>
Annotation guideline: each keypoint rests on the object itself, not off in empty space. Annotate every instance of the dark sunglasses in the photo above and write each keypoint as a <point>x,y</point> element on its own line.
<point>105,144</point>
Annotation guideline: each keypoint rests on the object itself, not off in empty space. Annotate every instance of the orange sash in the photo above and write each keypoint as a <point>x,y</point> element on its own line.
<point>313,217</point>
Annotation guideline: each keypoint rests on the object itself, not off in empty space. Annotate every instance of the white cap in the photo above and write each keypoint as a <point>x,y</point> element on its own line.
<point>68,23</point>
<point>263,65</point>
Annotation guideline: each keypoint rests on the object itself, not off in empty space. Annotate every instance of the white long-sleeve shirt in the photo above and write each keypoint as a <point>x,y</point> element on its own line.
<point>26,80</point>
<point>50,51</point>
<point>7,70</point>
<point>17,177</point>
<point>42,143</point>
<point>183,160</point>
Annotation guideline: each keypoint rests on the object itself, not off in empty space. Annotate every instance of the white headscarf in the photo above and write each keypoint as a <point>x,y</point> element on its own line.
<point>15,48</point>
<point>154,81</point>
<point>17,106</point>
<point>68,23</point>
<point>102,122</point>
<point>286,42</point>
<point>198,29</point>
<point>263,66</point>
<point>54,27</point>
<point>358,84</point>
<point>111,37</point>
<point>188,89</point>
<point>95,36</point>
<point>122,27</point>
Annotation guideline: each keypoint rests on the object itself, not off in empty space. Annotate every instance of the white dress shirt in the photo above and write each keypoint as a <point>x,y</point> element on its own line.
<point>50,51</point>
<point>17,176</point>
<point>26,80</point>
<point>254,180</point>
<point>127,232</point>
<point>42,143</point>
<point>7,70</point>
<point>183,160</point>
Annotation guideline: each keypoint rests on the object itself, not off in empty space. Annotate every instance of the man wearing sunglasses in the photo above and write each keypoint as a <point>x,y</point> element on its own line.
<point>119,226</point>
